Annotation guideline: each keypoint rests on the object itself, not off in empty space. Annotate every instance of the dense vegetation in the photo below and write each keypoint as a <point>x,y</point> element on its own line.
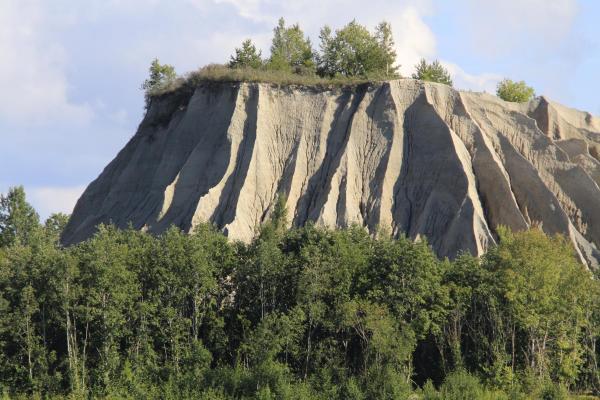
<point>303,313</point>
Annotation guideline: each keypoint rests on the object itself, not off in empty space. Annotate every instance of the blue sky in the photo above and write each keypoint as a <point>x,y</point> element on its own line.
<point>70,70</point>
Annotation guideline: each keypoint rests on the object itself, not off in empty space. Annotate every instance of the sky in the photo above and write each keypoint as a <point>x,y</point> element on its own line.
<point>71,70</point>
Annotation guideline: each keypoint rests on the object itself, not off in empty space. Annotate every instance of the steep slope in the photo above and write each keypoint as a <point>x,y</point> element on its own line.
<point>404,156</point>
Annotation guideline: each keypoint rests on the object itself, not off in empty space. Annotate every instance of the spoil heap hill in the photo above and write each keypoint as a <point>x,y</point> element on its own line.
<point>404,156</point>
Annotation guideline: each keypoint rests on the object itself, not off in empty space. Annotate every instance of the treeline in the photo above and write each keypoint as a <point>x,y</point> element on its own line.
<point>303,313</point>
<point>346,55</point>
<point>352,54</point>
<point>350,51</point>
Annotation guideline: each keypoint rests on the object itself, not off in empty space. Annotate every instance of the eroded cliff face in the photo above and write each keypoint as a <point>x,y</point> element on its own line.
<point>404,156</point>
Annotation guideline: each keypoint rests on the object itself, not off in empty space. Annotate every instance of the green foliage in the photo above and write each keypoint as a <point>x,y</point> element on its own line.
<point>432,72</point>
<point>385,39</point>
<point>517,92</point>
<point>290,51</point>
<point>553,391</point>
<point>538,276</point>
<point>18,220</point>
<point>352,55</point>
<point>246,56</point>
<point>461,385</point>
<point>354,51</point>
<point>302,313</point>
<point>161,77</point>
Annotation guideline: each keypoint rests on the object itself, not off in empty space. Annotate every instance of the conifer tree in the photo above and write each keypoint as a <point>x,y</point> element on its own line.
<point>246,56</point>
<point>432,72</point>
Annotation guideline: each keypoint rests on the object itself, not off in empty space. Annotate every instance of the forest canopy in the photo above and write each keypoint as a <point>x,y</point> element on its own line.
<point>301,313</point>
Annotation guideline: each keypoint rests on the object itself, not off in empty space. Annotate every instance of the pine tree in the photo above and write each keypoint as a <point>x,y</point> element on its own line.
<point>246,56</point>
<point>434,72</point>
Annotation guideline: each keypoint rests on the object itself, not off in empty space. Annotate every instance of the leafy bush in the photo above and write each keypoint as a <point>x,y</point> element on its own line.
<point>460,385</point>
<point>429,392</point>
<point>434,72</point>
<point>553,391</point>
<point>512,91</point>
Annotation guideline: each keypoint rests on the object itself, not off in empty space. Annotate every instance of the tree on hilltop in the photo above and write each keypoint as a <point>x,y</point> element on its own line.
<point>518,92</point>
<point>247,56</point>
<point>290,50</point>
<point>432,72</point>
<point>161,76</point>
<point>385,39</point>
<point>354,51</point>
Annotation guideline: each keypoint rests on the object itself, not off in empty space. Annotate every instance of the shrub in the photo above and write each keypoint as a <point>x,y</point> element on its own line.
<point>460,385</point>
<point>433,72</point>
<point>553,391</point>
<point>429,392</point>
<point>512,91</point>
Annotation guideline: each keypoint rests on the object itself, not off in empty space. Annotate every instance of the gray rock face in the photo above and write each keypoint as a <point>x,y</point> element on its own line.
<point>404,156</point>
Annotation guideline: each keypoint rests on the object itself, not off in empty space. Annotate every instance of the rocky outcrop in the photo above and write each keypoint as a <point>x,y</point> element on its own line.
<point>409,157</point>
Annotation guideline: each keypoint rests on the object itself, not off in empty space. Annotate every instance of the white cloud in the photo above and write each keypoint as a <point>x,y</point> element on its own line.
<point>32,72</point>
<point>48,200</point>
<point>414,39</point>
